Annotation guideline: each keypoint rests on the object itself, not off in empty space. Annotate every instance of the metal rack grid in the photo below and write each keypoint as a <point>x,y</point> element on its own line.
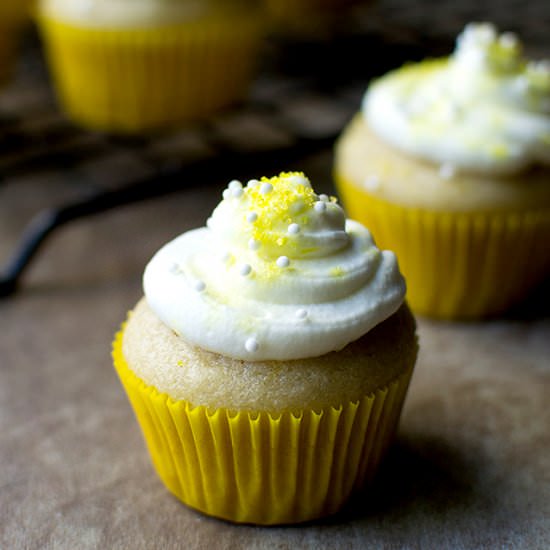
<point>302,97</point>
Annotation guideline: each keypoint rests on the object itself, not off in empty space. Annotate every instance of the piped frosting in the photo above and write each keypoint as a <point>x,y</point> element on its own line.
<point>486,108</point>
<point>278,273</point>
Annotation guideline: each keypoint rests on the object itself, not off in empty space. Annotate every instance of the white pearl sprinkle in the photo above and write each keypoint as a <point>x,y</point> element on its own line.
<point>324,198</point>
<point>226,194</point>
<point>253,244</point>
<point>225,257</point>
<point>175,269</point>
<point>320,207</point>
<point>301,313</point>
<point>200,286</point>
<point>251,345</point>
<point>251,217</point>
<point>253,183</point>
<point>283,261</point>
<point>294,229</point>
<point>266,188</point>
<point>245,269</point>
<point>508,40</point>
<point>235,184</point>
<point>237,192</point>
<point>543,65</point>
<point>540,68</point>
<point>447,171</point>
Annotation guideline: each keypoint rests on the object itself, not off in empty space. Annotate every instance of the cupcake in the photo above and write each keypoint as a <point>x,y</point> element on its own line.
<point>448,162</point>
<point>129,66</point>
<point>268,361</point>
<point>14,15</point>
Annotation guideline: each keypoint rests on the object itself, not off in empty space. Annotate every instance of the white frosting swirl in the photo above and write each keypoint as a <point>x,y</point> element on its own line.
<point>484,109</point>
<point>278,273</point>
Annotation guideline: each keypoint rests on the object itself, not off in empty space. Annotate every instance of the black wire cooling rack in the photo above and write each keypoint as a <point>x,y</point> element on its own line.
<point>299,102</point>
<point>304,93</point>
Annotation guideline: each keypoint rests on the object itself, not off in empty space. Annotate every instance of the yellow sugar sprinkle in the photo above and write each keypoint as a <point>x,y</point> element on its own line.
<point>284,203</point>
<point>337,271</point>
<point>499,151</point>
<point>231,261</point>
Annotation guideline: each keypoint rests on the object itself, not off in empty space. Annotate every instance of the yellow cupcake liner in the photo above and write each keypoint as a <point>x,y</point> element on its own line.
<point>262,468</point>
<point>136,80</point>
<point>457,264</point>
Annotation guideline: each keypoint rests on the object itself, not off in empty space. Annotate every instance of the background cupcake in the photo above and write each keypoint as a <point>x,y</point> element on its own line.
<point>449,164</point>
<point>130,66</point>
<point>271,355</point>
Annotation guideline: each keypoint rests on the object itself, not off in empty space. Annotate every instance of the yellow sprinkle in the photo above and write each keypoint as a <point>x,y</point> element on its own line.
<point>499,151</point>
<point>337,272</point>
<point>230,261</point>
<point>286,203</point>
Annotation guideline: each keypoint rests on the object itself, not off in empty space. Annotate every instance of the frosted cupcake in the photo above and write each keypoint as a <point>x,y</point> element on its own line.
<point>138,65</point>
<point>14,15</point>
<point>448,163</point>
<point>269,360</point>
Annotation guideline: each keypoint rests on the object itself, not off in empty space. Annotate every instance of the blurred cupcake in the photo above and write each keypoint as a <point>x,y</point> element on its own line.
<point>448,163</point>
<point>14,15</point>
<point>139,65</point>
<point>269,360</point>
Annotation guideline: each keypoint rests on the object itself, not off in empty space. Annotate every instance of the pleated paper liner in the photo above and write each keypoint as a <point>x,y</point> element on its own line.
<point>262,468</point>
<point>137,80</point>
<point>458,265</point>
